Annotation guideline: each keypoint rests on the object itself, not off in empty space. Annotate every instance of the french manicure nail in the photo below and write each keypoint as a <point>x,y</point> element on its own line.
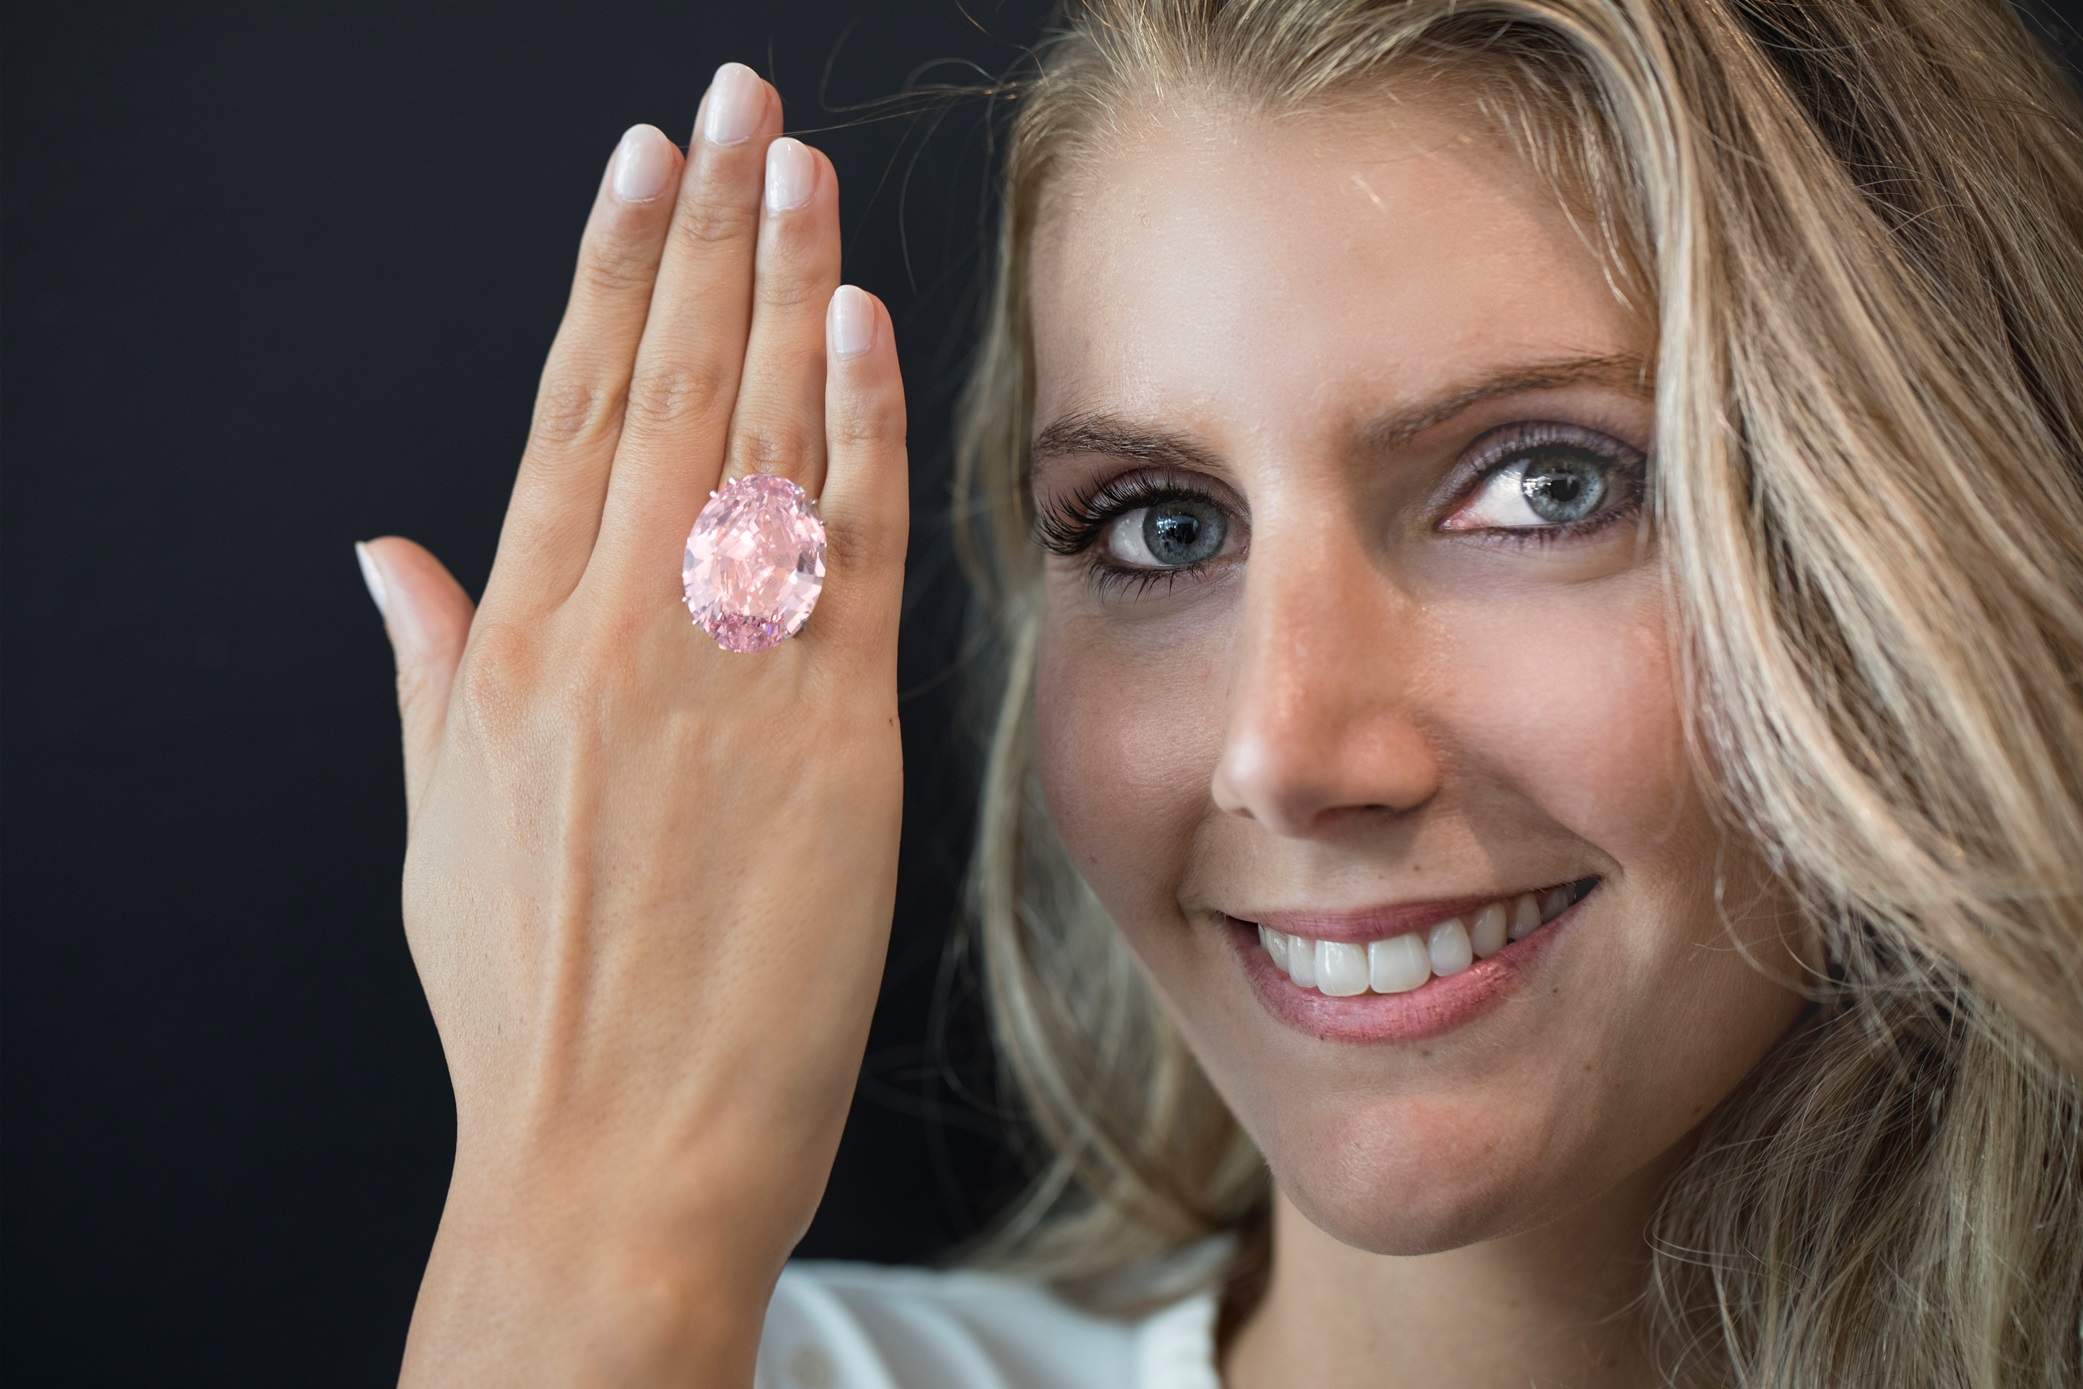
<point>735,103</point>
<point>371,575</point>
<point>790,174</point>
<point>853,321</point>
<point>643,162</point>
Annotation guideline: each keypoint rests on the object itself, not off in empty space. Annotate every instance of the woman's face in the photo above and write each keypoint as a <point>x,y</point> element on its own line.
<point>1388,681</point>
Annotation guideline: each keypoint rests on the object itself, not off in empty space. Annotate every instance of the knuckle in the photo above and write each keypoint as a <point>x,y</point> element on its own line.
<point>617,267</point>
<point>789,287</point>
<point>667,393</point>
<point>496,680</point>
<point>541,533</point>
<point>611,631</point>
<point>863,546</point>
<point>768,447</point>
<point>875,419</point>
<point>710,220</point>
<point>570,409</point>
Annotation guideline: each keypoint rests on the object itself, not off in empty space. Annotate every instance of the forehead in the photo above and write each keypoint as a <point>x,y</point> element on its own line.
<point>1253,273</point>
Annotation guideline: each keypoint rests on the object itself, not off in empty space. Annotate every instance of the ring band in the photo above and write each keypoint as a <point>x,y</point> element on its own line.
<point>754,563</point>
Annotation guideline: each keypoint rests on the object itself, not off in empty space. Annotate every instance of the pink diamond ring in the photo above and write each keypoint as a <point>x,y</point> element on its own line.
<point>755,562</point>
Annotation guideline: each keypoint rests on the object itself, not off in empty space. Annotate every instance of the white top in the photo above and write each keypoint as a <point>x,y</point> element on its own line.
<point>844,1324</point>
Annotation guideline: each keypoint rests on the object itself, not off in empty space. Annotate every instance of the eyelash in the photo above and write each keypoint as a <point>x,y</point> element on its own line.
<point>1069,527</point>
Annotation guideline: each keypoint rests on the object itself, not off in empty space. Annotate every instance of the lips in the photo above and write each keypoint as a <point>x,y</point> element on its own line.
<point>1404,960</point>
<point>1435,1005</point>
<point>1377,923</point>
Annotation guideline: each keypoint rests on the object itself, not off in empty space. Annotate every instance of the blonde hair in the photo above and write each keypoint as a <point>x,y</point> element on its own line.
<point>1858,228</point>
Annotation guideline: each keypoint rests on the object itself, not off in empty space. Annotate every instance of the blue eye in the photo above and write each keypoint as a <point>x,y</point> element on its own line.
<point>1181,530</point>
<point>1537,483</point>
<point>1533,483</point>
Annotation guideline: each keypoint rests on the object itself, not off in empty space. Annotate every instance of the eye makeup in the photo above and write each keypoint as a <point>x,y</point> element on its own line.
<point>1071,526</point>
<point>1531,450</point>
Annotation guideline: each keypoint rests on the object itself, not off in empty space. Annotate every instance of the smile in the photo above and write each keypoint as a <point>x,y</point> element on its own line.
<point>1405,961</point>
<point>1415,983</point>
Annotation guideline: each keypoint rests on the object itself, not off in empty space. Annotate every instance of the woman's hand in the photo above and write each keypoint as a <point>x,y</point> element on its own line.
<point>648,883</point>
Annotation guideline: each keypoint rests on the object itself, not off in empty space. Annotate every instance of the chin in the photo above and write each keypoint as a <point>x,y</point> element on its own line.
<point>1406,1177</point>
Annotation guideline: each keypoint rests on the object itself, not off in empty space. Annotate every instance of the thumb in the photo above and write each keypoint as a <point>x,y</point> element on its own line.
<point>427,616</point>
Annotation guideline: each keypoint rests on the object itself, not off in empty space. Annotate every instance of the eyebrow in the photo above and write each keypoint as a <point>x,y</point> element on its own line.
<point>1103,432</point>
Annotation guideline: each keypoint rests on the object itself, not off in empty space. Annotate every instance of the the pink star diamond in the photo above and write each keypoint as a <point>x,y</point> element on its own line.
<point>755,562</point>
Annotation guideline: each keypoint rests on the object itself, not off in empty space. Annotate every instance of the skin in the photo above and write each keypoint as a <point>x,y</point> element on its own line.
<point>622,841</point>
<point>1362,702</point>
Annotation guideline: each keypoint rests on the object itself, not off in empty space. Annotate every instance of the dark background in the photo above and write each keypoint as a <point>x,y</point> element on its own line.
<point>277,278</point>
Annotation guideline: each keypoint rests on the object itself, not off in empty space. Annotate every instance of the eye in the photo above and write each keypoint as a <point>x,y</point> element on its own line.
<point>1140,530</point>
<point>1542,481</point>
<point>1173,534</point>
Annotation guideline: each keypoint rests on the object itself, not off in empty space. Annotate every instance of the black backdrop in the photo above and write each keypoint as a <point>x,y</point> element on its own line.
<point>277,277</point>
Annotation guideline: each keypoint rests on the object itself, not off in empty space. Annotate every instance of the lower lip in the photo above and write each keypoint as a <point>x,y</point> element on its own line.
<point>1439,1005</point>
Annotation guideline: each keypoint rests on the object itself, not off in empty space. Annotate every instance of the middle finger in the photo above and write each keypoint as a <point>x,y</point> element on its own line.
<point>778,425</point>
<point>685,380</point>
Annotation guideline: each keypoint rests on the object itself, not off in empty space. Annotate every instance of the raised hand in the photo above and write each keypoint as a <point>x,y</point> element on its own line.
<point>648,882</point>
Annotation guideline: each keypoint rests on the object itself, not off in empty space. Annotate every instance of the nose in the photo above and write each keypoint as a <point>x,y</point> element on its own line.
<point>1321,717</point>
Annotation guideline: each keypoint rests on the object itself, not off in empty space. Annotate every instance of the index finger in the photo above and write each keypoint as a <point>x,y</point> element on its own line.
<point>554,508</point>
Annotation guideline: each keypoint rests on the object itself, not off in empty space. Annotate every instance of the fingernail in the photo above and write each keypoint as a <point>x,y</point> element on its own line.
<point>790,174</point>
<point>853,321</point>
<point>371,575</point>
<point>735,103</point>
<point>643,162</point>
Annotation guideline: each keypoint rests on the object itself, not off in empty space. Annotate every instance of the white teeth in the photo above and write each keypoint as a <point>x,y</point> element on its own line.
<point>1275,943</point>
<point>1400,963</point>
<point>1526,914</point>
<point>1486,931</point>
<point>1341,968</point>
<point>1447,944</point>
<point>1301,962</point>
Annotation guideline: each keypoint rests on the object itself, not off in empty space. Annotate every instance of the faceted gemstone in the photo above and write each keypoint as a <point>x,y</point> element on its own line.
<point>755,562</point>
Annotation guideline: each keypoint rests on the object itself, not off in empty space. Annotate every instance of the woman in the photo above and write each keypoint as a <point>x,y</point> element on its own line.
<point>1533,826</point>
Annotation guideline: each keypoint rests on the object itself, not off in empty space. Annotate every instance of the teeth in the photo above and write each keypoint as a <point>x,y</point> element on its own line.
<point>1275,943</point>
<point>1341,968</point>
<point>1526,914</point>
<point>1400,963</point>
<point>1447,944</point>
<point>1486,931</point>
<point>1301,962</point>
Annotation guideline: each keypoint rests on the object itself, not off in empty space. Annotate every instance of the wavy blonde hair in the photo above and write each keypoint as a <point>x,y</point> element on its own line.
<point>1858,228</point>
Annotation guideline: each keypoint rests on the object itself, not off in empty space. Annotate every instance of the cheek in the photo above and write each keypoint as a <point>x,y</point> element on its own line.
<point>1571,705</point>
<point>1568,699</point>
<point>1124,750</point>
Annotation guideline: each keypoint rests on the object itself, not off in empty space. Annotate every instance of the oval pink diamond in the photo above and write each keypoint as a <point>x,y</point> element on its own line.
<point>755,562</point>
